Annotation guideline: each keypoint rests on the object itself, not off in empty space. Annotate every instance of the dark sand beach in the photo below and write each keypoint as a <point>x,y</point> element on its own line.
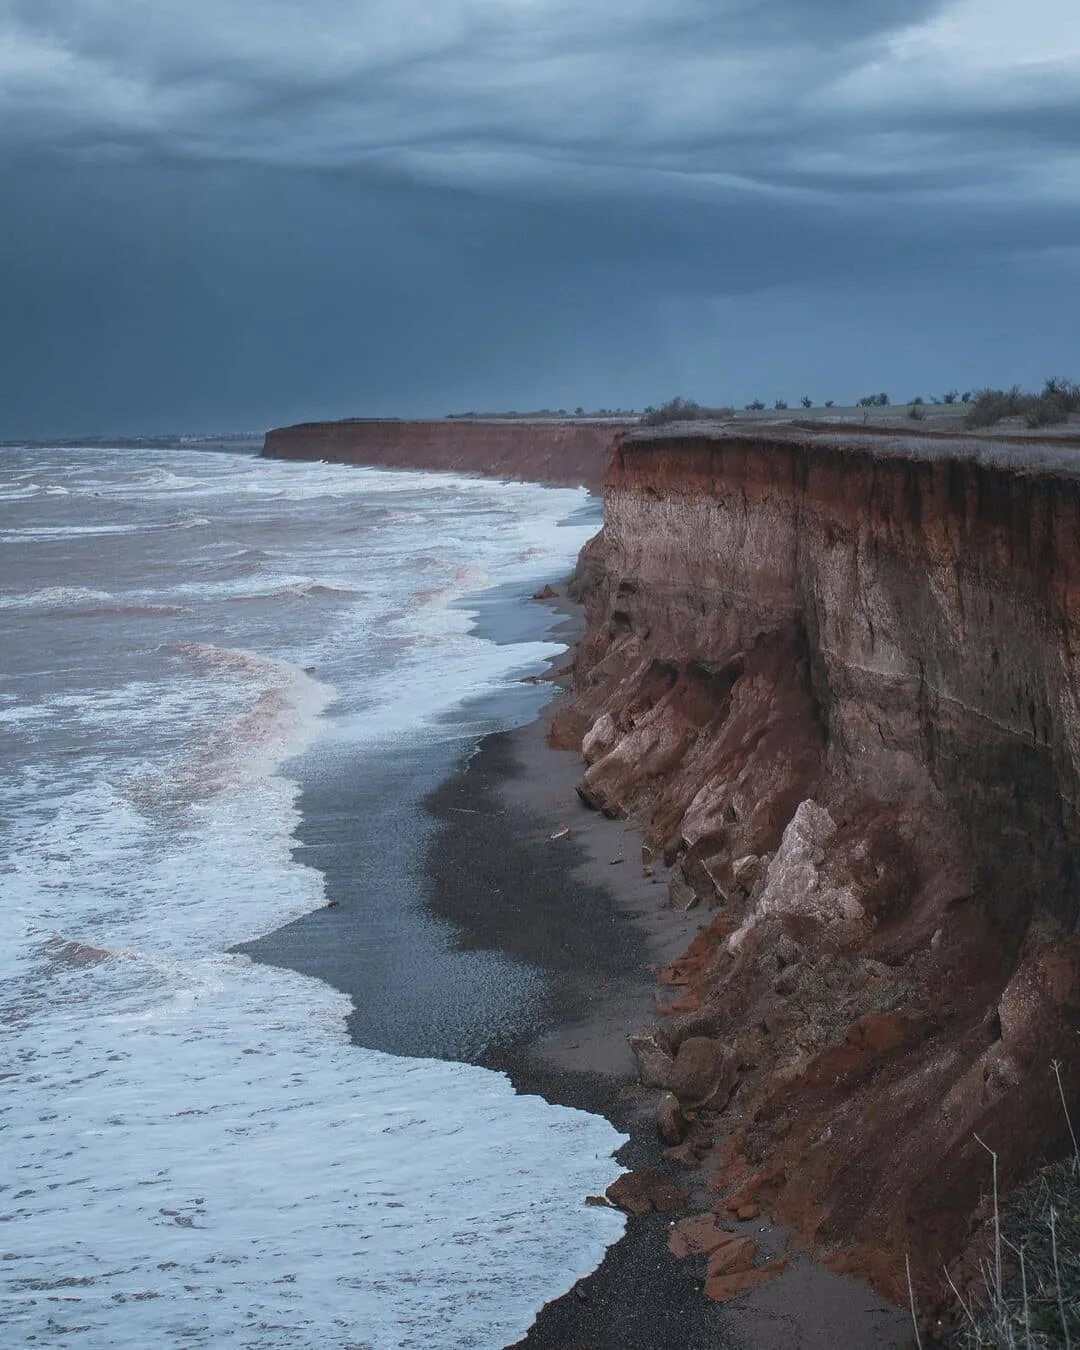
<point>546,951</point>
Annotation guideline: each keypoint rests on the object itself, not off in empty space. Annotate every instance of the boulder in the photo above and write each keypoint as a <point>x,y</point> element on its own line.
<point>704,1072</point>
<point>546,593</point>
<point>697,1236</point>
<point>681,895</point>
<point>732,1255</point>
<point>721,1287</point>
<point>645,1190</point>
<point>654,1059</point>
<point>746,871</point>
<point>670,1121</point>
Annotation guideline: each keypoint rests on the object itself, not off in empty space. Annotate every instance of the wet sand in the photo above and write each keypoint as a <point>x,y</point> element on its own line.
<point>582,908</point>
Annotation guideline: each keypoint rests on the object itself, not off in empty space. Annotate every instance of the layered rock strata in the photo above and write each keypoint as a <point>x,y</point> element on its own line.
<point>572,452</point>
<point>837,682</point>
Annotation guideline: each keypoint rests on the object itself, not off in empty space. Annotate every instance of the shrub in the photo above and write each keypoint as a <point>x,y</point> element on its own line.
<point>951,396</point>
<point>1057,400</point>
<point>683,410</point>
<point>874,401</point>
<point>756,406</point>
<point>830,402</point>
<point>915,412</point>
<point>780,404</point>
<point>806,401</point>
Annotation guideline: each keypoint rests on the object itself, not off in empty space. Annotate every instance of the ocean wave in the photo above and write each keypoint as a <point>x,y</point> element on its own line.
<point>54,597</point>
<point>283,706</point>
<point>45,533</point>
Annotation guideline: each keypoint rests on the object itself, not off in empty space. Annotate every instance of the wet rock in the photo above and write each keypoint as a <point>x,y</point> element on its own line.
<point>670,1121</point>
<point>645,1190</point>
<point>704,1072</point>
<point>546,593</point>
<point>653,1055</point>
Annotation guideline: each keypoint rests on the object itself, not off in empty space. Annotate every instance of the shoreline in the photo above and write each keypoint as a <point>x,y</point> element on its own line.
<point>487,866</point>
<point>608,932</point>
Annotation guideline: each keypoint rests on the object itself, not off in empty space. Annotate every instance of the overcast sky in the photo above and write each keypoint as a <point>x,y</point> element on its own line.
<point>229,215</point>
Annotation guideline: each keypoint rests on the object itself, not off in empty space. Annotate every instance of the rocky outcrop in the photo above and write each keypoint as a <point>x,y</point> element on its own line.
<point>572,452</point>
<point>837,682</point>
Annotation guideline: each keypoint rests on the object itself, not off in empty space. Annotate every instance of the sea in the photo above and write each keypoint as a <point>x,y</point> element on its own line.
<point>226,684</point>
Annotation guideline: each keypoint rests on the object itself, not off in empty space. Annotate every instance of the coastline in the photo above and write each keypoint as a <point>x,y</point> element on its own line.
<point>491,868</point>
<point>488,866</point>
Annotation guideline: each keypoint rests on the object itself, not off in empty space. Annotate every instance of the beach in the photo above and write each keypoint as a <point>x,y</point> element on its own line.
<point>524,872</point>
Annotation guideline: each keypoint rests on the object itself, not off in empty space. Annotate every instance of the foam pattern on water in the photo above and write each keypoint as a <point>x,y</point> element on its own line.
<point>194,1154</point>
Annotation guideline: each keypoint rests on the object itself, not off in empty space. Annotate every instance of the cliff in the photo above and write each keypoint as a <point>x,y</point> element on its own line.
<point>837,681</point>
<point>571,453</point>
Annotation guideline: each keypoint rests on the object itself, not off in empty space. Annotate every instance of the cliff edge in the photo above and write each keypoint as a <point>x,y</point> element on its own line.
<point>837,681</point>
<point>570,453</point>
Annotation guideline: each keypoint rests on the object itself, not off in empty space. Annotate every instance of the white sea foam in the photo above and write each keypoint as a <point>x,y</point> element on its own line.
<point>199,1157</point>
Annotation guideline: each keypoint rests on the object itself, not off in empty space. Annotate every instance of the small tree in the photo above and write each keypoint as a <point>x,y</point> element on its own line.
<point>952,396</point>
<point>806,401</point>
<point>830,402</point>
<point>780,405</point>
<point>755,406</point>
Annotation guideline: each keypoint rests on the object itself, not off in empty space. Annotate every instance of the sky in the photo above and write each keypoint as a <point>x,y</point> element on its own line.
<point>225,216</point>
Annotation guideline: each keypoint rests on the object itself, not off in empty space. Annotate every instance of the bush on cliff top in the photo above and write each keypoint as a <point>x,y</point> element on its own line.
<point>683,410</point>
<point>1053,405</point>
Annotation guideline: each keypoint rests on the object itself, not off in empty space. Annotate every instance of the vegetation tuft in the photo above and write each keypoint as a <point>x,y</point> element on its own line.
<point>1030,1296</point>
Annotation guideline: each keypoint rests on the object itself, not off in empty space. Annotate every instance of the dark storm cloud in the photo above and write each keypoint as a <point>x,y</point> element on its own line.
<point>534,91</point>
<point>236,214</point>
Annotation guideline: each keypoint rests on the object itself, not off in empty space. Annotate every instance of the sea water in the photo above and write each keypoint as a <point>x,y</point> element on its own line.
<point>192,1152</point>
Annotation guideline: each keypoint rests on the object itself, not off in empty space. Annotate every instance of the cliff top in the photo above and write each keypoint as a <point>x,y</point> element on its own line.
<point>1042,452</point>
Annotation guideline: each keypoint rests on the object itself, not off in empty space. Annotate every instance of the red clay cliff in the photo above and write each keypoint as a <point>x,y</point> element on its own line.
<point>837,682</point>
<point>572,453</point>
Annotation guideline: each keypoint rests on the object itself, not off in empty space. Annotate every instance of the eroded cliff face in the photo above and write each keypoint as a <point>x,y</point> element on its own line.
<point>571,453</point>
<point>839,685</point>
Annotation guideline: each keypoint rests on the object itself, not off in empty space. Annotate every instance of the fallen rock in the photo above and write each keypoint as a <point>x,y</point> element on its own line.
<point>697,1236</point>
<point>732,1255</point>
<point>654,1059</point>
<point>546,593</point>
<point>746,871</point>
<point>680,895</point>
<point>685,1155</point>
<point>721,1287</point>
<point>747,1212</point>
<point>645,1190</point>
<point>670,1121</point>
<point>704,1072</point>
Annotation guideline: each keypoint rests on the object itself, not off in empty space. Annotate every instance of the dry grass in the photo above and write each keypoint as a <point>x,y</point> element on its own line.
<point>1030,1295</point>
